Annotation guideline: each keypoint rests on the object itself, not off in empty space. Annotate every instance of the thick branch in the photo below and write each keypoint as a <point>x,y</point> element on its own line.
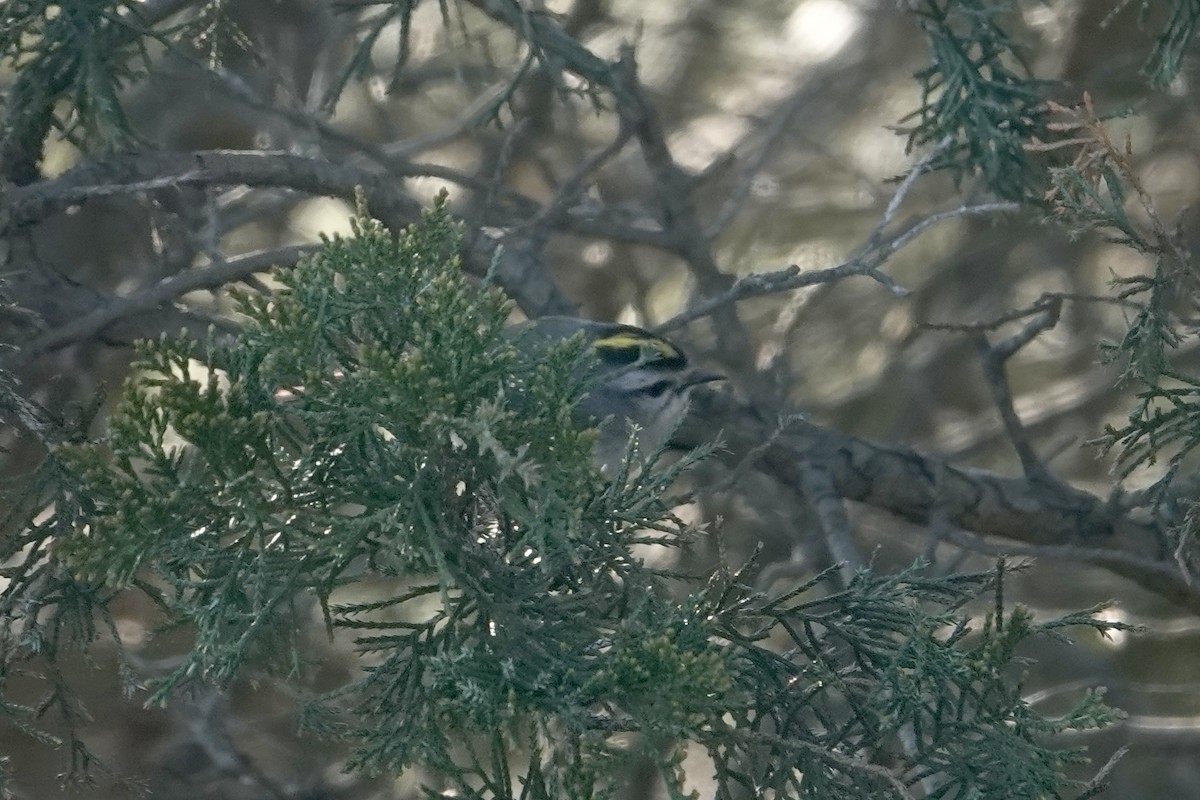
<point>133,173</point>
<point>102,312</point>
<point>37,88</point>
<point>522,274</point>
<point>920,488</point>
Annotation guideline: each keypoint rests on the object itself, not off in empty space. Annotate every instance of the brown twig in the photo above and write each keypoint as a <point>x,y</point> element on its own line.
<point>166,291</point>
<point>994,358</point>
<point>917,487</point>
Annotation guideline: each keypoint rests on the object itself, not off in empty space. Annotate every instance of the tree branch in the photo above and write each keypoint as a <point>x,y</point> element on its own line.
<point>524,275</point>
<point>920,488</point>
<point>994,359</point>
<point>34,93</point>
<point>166,291</point>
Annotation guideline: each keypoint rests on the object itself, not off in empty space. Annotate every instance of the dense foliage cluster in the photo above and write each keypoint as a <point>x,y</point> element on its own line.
<point>378,455</point>
<point>377,451</point>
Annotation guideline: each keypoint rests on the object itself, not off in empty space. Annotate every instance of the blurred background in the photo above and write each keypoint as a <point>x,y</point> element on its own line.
<point>785,121</point>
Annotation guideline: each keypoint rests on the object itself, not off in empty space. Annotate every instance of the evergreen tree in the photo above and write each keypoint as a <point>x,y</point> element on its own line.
<point>364,453</point>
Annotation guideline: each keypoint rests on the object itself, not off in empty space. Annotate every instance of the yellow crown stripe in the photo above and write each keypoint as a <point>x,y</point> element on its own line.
<point>633,341</point>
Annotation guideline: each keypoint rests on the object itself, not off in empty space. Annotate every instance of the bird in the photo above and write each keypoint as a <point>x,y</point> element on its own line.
<point>639,387</point>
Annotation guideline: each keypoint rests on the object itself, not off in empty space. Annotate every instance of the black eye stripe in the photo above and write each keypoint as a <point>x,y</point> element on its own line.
<point>622,356</point>
<point>656,389</point>
<point>624,344</point>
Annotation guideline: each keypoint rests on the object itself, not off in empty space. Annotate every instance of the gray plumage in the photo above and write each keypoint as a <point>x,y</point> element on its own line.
<point>642,380</point>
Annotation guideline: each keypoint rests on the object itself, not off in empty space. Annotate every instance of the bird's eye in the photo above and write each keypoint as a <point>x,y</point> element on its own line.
<point>656,389</point>
<point>619,356</point>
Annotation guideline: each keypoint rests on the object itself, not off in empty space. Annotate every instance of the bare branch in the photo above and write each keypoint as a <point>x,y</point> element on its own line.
<point>136,173</point>
<point>572,188</point>
<point>820,491</point>
<point>28,205</point>
<point>918,487</point>
<point>993,358</point>
<point>166,291</point>
<point>680,217</point>
<point>771,135</point>
<point>867,262</point>
<point>910,180</point>
<point>980,209</point>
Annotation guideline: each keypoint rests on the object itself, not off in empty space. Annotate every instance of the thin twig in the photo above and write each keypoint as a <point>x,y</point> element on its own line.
<point>910,180</point>
<point>994,358</point>
<point>830,507</point>
<point>1106,557</point>
<point>865,263</point>
<point>572,188</point>
<point>772,135</point>
<point>394,159</point>
<point>980,209</point>
<point>165,291</point>
<point>1038,306</point>
<point>751,459</point>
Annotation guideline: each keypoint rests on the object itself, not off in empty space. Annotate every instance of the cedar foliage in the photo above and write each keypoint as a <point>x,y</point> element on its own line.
<point>413,453</point>
<point>374,431</point>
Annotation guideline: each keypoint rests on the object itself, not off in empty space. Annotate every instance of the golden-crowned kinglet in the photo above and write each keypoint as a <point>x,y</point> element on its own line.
<point>643,380</point>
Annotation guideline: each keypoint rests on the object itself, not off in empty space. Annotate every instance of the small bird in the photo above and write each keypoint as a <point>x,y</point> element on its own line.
<point>643,380</point>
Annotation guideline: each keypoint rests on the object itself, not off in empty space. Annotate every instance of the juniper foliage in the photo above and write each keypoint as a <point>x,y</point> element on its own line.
<point>1171,43</point>
<point>992,119</point>
<point>980,103</point>
<point>377,454</point>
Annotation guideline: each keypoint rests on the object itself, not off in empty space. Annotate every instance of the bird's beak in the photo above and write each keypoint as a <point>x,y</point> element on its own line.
<point>699,376</point>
